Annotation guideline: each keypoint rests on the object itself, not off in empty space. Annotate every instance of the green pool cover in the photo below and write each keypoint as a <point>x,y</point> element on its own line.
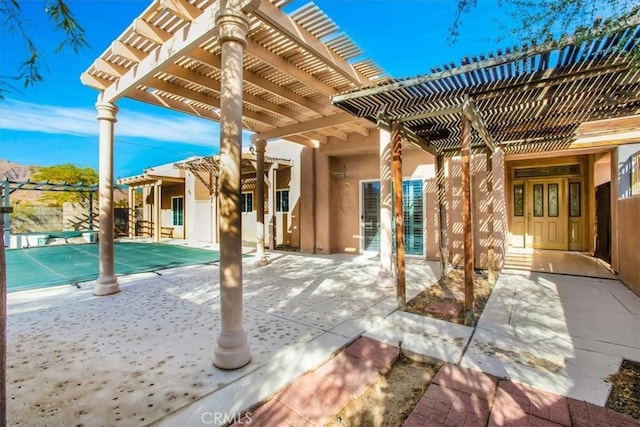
<point>61,264</point>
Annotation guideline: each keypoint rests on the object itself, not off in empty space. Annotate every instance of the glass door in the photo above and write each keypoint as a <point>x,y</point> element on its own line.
<point>370,217</point>
<point>413,202</point>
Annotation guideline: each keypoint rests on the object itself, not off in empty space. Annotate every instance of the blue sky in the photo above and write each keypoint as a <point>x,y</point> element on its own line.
<point>54,122</point>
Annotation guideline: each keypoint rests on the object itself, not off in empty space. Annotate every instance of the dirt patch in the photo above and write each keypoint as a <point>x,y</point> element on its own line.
<point>625,395</point>
<point>390,400</point>
<point>451,295</point>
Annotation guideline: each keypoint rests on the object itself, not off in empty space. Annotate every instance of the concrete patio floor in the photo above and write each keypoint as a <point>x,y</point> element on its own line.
<point>144,356</point>
<point>140,356</point>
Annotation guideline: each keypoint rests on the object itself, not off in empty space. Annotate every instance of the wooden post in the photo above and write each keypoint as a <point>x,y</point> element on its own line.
<point>490,244</point>
<point>442,212</point>
<point>396,161</point>
<point>466,221</point>
<point>4,210</point>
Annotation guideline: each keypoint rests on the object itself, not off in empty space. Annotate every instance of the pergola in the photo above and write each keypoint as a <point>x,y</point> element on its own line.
<point>210,166</point>
<point>146,180</point>
<point>526,100</point>
<point>10,186</point>
<point>248,65</point>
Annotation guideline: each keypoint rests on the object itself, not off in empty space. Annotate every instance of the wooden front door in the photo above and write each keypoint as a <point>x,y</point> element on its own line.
<point>546,214</point>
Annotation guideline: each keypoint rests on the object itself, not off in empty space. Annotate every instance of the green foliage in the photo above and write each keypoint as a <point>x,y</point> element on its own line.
<point>23,214</point>
<point>14,18</point>
<point>538,21</point>
<point>65,173</point>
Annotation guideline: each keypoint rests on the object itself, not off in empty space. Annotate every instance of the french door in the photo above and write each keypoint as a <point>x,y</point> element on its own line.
<point>413,206</point>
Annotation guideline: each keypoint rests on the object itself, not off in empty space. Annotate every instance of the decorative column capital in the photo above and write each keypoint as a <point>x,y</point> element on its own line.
<point>106,111</point>
<point>233,25</point>
<point>260,145</point>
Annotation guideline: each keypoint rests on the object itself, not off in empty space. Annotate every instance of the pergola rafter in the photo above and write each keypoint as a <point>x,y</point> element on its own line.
<point>528,99</point>
<point>170,57</point>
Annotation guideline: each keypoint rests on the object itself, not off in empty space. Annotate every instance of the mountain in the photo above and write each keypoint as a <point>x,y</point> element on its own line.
<point>17,172</point>
<point>14,171</point>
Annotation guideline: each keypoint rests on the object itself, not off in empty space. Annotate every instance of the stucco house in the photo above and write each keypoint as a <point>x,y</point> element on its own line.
<point>534,147</point>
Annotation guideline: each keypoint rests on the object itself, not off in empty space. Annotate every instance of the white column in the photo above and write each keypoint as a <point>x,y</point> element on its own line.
<point>157,211</point>
<point>107,282</point>
<point>261,257</point>
<point>385,275</point>
<point>232,344</point>
<point>132,214</point>
<point>273,176</point>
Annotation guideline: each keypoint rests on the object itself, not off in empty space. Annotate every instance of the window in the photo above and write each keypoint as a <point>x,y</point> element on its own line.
<point>552,203</point>
<point>282,201</point>
<point>518,200</point>
<point>574,199</point>
<point>538,200</point>
<point>177,210</point>
<point>635,174</point>
<point>246,202</point>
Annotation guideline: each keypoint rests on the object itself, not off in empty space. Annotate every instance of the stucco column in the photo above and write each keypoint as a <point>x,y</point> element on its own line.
<point>107,282</point>
<point>261,257</point>
<point>385,274</point>
<point>232,344</point>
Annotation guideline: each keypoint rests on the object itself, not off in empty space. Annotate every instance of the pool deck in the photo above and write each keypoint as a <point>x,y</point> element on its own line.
<point>144,356</point>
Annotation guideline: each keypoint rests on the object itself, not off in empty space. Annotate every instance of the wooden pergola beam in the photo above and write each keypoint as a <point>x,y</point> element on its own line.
<point>286,67</point>
<point>470,110</point>
<point>310,125</point>
<point>505,59</point>
<point>396,172</point>
<point>250,77</point>
<point>184,92</point>
<point>182,8</point>
<point>215,86</point>
<point>160,101</point>
<point>274,17</point>
<point>428,114</point>
<point>127,52</point>
<point>466,221</point>
<point>386,123</point>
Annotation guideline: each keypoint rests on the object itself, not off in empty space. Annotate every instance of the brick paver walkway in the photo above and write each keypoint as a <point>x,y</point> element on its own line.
<point>456,397</point>
<point>317,396</point>
<point>463,397</point>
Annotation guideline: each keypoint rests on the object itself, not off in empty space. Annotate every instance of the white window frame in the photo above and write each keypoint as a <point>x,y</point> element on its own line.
<point>173,211</point>
<point>243,203</point>
<point>279,199</point>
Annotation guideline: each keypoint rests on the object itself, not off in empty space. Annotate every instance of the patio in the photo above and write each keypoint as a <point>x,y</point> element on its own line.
<point>140,355</point>
<point>144,356</point>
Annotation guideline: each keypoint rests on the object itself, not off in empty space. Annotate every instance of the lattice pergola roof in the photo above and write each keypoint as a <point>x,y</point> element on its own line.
<point>170,57</point>
<point>211,165</point>
<point>50,186</point>
<point>529,100</point>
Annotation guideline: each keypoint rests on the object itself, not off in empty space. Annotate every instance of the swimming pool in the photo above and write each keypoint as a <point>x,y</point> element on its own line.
<point>45,266</point>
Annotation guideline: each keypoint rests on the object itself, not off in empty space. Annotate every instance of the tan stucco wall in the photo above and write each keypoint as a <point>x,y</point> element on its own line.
<point>629,242</point>
<point>344,231</point>
<point>200,191</point>
<point>479,210</point>
<point>323,204</point>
